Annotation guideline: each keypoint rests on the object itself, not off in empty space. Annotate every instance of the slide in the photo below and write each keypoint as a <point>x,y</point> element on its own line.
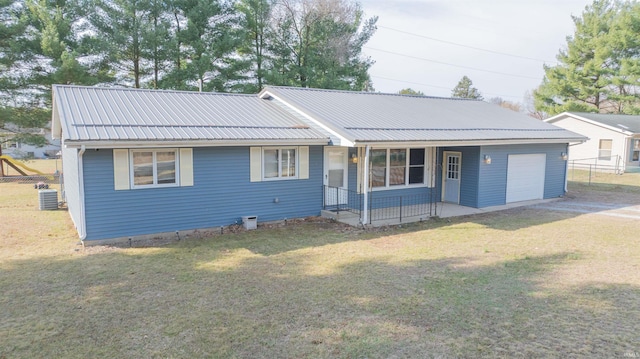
<point>20,167</point>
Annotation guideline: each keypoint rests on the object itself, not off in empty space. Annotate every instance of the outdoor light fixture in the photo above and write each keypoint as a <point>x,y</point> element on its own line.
<point>487,159</point>
<point>354,158</point>
<point>564,156</point>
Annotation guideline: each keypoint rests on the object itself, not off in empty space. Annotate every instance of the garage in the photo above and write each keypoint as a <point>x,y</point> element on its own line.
<point>525,177</point>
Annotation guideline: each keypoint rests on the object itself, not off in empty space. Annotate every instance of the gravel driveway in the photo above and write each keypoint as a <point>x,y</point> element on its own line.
<point>613,204</point>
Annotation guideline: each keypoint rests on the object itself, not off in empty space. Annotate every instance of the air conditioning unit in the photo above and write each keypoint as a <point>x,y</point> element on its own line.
<point>48,199</point>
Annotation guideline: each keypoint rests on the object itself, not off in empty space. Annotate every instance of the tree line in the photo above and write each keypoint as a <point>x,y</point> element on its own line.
<point>214,45</point>
<point>599,69</point>
<point>244,45</point>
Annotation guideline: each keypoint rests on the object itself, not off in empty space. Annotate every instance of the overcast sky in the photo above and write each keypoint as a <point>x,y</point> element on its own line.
<point>414,44</point>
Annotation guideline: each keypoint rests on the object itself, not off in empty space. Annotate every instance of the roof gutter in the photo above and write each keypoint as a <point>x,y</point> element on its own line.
<point>200,143</point>
<point>432,143</point>
<point>303,142</point>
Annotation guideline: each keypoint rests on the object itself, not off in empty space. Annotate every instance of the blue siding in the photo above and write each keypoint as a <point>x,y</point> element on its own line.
<point>556,171</point>
<point>469,174</point>
<point>221,195</point>
<point>484,185</point>
<point>352,179</point>
<point>493,177</point>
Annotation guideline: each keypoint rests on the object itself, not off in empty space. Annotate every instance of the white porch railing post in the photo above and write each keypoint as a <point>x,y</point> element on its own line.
<point>365,192</point>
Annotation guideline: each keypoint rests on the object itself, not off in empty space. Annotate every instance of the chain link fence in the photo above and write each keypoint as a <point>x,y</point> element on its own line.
<point>46,179</point>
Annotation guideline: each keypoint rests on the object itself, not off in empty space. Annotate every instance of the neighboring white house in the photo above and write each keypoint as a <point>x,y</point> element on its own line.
<point>17,149</point>
<point>614,140</point>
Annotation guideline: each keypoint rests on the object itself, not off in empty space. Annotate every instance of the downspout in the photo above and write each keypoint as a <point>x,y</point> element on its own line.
<point>365,202</point>
<point>566,171</point>
<point>82,231</point>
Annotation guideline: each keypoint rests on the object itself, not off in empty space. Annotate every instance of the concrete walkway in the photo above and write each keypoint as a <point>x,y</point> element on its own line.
<point>442,210</point>
<point>446,210</point>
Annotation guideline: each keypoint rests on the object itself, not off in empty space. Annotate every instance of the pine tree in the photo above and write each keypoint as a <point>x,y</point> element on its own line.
<point>119,25</point>
<point>318,43</point>
<point>465,89</point>
<point>156,41</point>
<point>255,19</point>
<point>599,69</point>
<point>410,91</point>
<point>41,47</point>
<point>208,42</point>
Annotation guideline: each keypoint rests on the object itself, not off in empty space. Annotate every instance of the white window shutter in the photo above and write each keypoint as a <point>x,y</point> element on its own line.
<point>255,159</point>
<point>303,169</point>
<point>121,177</point>
<point>186,167</point>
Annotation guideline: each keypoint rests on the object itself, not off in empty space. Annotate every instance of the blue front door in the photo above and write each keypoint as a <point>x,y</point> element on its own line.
<point>451,176</point>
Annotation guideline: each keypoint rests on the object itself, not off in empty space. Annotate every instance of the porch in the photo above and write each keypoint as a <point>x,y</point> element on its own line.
<point>395,210</point>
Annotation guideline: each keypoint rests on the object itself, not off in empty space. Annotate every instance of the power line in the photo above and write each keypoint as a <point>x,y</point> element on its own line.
<point>453,65</point>
<point>440,87</point>
<point>466,46</point>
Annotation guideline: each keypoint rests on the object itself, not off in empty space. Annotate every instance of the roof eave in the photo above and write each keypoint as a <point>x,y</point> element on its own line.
<point>443,143</point>
<point>590,121</point>
<point>192,143</point>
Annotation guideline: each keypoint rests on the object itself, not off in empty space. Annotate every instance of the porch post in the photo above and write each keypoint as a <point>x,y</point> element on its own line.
<point>365,192</point>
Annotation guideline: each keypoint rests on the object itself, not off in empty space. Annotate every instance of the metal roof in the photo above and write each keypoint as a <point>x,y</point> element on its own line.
<point>94,114</point>
<point>112,116</point>
<point>628,123</point>
<point>375,117</point>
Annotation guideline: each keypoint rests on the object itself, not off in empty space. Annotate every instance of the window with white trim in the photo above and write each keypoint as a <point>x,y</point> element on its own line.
<point>279,163</point>
<point>604,149</point>
<point>378,166</point>
<point>150,168</point>
<point>154,168</point>
<point>394,167</point>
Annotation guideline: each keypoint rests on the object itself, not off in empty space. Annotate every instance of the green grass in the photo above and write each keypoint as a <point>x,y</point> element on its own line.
<point>523,283</point>
<point>626,182</point>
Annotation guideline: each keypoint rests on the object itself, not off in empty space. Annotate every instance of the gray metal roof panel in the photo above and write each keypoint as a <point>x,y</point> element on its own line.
<point>366,116</point>
<point>629,123</point>
<point>118,114</point>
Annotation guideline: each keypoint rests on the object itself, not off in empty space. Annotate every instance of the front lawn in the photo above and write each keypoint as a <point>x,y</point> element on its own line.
<point>629,182</point>
<point>524,282</point>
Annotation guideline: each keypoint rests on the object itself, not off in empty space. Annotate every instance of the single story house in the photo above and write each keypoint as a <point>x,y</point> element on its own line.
<point>141,162</point>
<point>17,149</point>
<point>613,144</point>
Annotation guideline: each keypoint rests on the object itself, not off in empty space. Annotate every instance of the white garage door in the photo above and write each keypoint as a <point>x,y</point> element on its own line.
<point>525,177</point>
